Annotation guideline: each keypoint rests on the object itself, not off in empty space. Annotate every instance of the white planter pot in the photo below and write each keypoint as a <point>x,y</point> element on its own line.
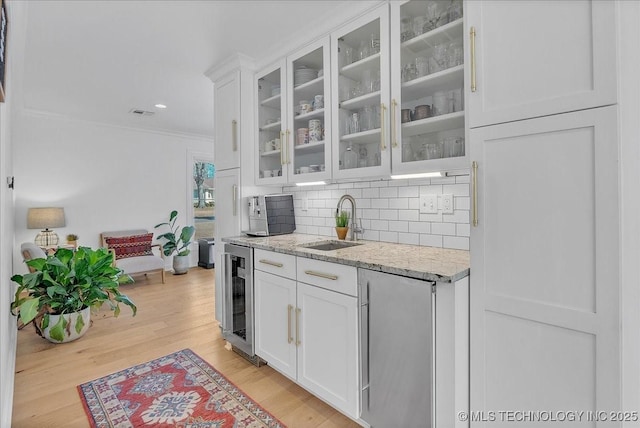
<point>180,265</point>
<point>72,326</point>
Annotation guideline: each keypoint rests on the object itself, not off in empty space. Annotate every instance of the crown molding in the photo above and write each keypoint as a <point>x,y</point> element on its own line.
<point>235,61</point>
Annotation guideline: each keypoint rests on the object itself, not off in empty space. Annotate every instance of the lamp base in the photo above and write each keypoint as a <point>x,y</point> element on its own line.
<point>47,238</point>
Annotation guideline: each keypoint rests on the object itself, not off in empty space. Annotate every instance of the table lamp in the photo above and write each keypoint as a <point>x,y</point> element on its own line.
<point>43,219</point>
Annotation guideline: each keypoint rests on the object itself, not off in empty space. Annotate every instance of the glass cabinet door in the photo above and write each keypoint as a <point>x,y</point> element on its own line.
<point>309,105</point>
<point>361,92</point>
<point>427,79</point>
<point>271,135</point>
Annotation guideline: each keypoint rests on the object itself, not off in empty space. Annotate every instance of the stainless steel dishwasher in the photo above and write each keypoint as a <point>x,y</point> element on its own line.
<point>396,322</point>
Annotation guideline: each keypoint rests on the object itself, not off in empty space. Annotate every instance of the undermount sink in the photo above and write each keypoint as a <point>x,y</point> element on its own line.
<point>331,245</point>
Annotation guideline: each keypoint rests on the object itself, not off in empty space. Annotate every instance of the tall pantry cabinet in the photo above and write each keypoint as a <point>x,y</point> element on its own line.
<point>544,183</point>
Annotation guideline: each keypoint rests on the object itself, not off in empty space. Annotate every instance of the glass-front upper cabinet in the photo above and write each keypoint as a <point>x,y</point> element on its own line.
<point>427,86</point>
<point>309,114</point>
<point>271,125</point>
<point>360,90</point>
<point>294,116</point>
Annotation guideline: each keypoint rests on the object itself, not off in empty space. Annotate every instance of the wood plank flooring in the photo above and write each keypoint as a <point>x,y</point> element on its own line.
<point>171,316</point>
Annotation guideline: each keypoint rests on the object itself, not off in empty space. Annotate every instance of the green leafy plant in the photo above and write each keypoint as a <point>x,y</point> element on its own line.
<point>72,237</point>
<point>342,219</point>
<point>66,282</point>
<point>175,243</point>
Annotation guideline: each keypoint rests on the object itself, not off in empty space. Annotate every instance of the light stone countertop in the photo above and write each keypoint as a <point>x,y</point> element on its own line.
<point>426,263</point>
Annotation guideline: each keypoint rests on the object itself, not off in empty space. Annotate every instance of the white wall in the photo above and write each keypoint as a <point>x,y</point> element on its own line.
<point>105,177</point>
<point>389,210</point>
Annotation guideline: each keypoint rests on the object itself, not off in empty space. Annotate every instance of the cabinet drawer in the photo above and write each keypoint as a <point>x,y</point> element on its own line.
<point>275,263</point>
<point>331,276</point>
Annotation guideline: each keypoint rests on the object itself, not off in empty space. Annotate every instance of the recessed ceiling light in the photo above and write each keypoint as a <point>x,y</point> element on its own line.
<point>161,106</point>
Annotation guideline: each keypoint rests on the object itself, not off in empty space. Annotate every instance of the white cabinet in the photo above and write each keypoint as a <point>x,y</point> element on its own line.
<point>531,60</point>
<point>307,332</point>
<point>360,91</point>
<point>544,257</point>
<point>227,184</point>
<point>427,115</point>
<point>294,115</point>
<point>226,149</point>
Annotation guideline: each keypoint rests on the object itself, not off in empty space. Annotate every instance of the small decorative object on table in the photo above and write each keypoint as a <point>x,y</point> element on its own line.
<point>177,244</point>
<point>72,239</point>
<point>342,224</point>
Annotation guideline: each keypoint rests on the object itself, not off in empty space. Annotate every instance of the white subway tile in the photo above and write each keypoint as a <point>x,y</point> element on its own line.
<point>327,231</point>
<point>414,203</point>
<point>463,229</point>
<point>409,192</point>
<point>312,194</point>
<point>399,203</point>
<point>430,190</point>
<point>312,212</point>
<point>458,216</point>
<point>443,229</point>
<point>366,223</point>
<point>431,240</point>
<point>456,242</point>
<point>456,189</point>
<point>345,186</point>
<point>371,214</point>
<point>443,180</point>
<point>434,218</point>
<point>462,203</point>
<point>389,192</point>
<point>362,184</point>
<point>318,221</point>
<point>409,238</point>
<point>379,203</point>
<point>373,192</point>
<point>303,221</point>
<point>399,226</point>
<point>379,183</point>
<point>317,203</point>
<point>388,214</point>
<point>364,203</point>
<point>326,212</point>
<point>419,227</point>
<point>410,215</point>
<point>398,183</point>
<point>380,224</point>
<point>462,178</point>
<point>371,235</point>
<point>300,228</point>
<point>312,230</point>
<point>389,237</point>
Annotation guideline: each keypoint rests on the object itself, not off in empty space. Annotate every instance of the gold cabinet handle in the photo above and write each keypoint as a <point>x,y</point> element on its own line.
<point>282,148</point>
<point>288,159</point>
<point>472,45</point>
<point>269,262</point>
<point>298,326</point>
<point>234,135</point>
<point>383,109</point>
<point>234,189</point>
<point>474,192</point>
<point>394,131</point>
<point>322,275</point>
<point>289,336</point>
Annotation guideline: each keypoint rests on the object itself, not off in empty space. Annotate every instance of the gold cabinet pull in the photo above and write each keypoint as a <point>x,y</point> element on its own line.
<point>322,275</point>
<point>269,262</point>
<point>298,326</point>
<point>472,45</point>
<point>474,191</point>
<point>383,109</point>
<point>282,148</point>
<point>234,135</point>
<point>289,336</point>
<point>234,189</point>
<point>394,130</point>
<point>288,159</point>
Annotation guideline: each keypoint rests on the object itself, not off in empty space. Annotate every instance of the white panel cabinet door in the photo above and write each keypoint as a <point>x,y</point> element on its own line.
<point>226,105</point>
<point>535,58</point>
<point>227,221</point>
<point>544,257</point>
<point>275,301</point>
<point>328,346</point>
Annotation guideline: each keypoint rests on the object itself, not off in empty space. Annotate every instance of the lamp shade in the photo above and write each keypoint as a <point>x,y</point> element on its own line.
<point>45,218</point>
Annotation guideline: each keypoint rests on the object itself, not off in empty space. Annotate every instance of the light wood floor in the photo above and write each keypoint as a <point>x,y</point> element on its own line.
<point>171,316</point>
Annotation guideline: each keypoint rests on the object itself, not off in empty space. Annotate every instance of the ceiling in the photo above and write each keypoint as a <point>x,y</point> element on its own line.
<point>96,60</point>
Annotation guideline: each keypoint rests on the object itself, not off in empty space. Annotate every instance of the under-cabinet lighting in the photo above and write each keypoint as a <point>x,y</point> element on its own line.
<point>419,175</point>
<point>311,183</point>
<point>161,106</point>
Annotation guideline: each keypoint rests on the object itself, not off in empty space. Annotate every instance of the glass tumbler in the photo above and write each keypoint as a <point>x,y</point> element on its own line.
<point>440,103</point>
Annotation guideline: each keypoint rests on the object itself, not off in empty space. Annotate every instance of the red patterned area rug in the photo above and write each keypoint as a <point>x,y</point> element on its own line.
<point>178,390</point>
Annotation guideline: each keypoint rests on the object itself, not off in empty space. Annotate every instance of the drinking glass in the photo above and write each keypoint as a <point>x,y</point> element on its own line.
<point>364,50</point>
<point>422,66</point>
<point>440,103</point>
<point>367,81</point>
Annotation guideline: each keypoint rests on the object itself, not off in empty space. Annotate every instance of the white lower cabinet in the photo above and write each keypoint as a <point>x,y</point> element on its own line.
<point>310,333</point>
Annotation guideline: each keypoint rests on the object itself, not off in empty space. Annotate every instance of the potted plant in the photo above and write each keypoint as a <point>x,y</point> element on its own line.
<point>342,224</point>
<point>177,244</point>
<point>72,239</point>
<point>63,289</point>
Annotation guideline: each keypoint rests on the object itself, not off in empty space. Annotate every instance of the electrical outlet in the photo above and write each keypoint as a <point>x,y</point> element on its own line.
<point>447,204</point>
<point>429,204</point>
